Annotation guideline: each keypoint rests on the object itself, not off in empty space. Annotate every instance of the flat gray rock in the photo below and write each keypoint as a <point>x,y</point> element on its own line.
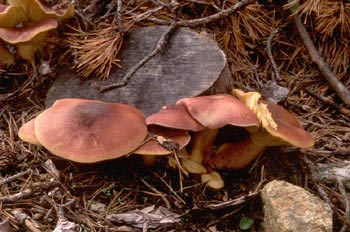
<point>191,65</point>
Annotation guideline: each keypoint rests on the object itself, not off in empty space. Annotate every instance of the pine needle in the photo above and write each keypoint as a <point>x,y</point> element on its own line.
<point>95,52</point>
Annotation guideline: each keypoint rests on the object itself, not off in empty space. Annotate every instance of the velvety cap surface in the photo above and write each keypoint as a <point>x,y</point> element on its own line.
<point>27,132</point>
<point>153,147</point>
<point>90,131</point>
<point>216,111</point>
<point>174,116</point>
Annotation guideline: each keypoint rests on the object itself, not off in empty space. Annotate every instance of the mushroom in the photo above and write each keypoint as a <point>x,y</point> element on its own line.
<point>88,131</point>
<point>163,141</point>
<point>172,123</point>
<point>28,39</point>
<point>214,112</point>
<point>170,126</point>
<point>278,127</point>
<point>27,132</point>
<point>176,117</point>
<point>25,23</point>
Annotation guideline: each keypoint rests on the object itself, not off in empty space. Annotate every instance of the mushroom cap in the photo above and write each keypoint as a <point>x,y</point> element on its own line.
<point>152,147</point>
<point>36,12</point>
<point>89,131</point>
<point>174,116</point>
<point>27,132</point>
<point>10,16</point>
<point>216,111</point>
<point>29,33</point>
<point>288,129</point>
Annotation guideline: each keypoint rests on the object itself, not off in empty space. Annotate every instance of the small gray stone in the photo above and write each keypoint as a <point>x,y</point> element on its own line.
<point>332,172</point>
<point>191,65</point>
<point>290,208</point>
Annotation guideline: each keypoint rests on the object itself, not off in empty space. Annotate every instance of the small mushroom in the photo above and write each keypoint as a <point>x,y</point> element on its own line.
<point>27,132</point>
<point>278,127</point>
<point>173,123</point>
<point>25,23</point>
<point>28,39</point>
<point>169,127</point>
<point>34,11</point>
<point>88,131</point>
<point>163,141</point>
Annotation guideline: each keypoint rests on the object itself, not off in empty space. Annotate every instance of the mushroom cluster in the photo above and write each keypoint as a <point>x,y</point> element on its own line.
<point>265,124</point>
<point>89,131</point>
<point>24,23</point>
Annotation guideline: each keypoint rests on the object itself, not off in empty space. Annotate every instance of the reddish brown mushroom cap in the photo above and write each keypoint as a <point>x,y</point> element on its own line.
<point>288,128</point>
<point>216,111</point>
<point>89,131</point>
<point>153,147</point>
<point>27,132</point>
<point>174,116</point>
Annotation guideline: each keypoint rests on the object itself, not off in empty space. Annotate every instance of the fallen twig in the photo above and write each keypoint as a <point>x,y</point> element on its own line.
<point>161,194</point>
<point>11,178</point>
<point>337,86</point>
<point>28,192</point>
<point>26,220</point>
<point>160,46</point>
<point>210,18</point>
<point>329,102</point>
<point>119,16</point>
<point>17,196</point>
<point>233,212</point>
<point>212,4</point>
<point>171,189</point>
<point>269,52</point>
<point>234,202</point>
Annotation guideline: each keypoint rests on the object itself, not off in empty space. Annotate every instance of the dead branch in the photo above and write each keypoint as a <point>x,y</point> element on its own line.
<point>210,18</point>
<point>28,192</point>
<point>159,193</point>
<point>11,178</point>
<point>327,101</point>
<point>323,67</point>
<point>26,220</point>
<point>269,52</point>
<point>234,202</point>
<point>119,16</point>
<point>17,196</point>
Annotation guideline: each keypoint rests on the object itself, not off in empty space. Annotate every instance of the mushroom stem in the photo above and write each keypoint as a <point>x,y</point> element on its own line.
<point>150,160</point>
<point>236,155</point>
<point>202,147</point>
